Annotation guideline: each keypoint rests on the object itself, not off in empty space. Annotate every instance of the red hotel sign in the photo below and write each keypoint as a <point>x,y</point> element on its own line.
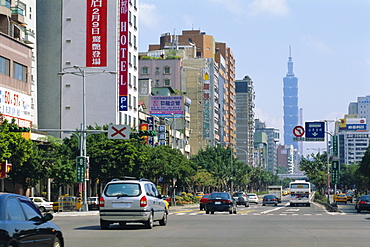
<point>123,56</point>
<point>96,33</point>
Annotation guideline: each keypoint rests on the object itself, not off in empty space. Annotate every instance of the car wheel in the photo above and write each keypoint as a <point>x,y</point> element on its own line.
<point>122,224</point>
<point>104,224</point>
<point>275,204</point>
<point>212,212</point>
<point>346,202</point>
<point>263,204</point>
<point>42,209</point>
<point>358,210</point>
<point>57,242</point>
<point>234,211</point>
<point>200,208</point>
<point>149,223</point>
<point>231,211</point>
<point>163,221</point>
<point>207,211</point>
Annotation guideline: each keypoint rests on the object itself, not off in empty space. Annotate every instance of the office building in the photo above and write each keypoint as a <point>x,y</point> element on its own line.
<point>244,99</point>
<point>83,41</point>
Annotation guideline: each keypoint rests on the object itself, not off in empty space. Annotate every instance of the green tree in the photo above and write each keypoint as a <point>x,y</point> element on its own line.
<point>315,168</point>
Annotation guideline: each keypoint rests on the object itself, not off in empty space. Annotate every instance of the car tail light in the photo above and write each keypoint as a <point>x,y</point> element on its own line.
<point>101,202</point>
<point>362,202</point>
<point>143,201</point>
<point>273,199</point>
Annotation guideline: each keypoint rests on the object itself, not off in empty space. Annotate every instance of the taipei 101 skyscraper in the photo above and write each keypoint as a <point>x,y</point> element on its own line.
<point>290,104</point>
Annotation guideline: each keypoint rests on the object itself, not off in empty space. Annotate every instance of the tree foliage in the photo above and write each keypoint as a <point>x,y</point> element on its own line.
<point>315,168</point>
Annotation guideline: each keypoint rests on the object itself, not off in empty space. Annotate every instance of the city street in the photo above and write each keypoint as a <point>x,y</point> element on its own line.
<point>256,225</point>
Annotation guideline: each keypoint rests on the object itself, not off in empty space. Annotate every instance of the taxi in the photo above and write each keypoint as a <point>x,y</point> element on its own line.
<point>199,195</point>
<point>340,198</point>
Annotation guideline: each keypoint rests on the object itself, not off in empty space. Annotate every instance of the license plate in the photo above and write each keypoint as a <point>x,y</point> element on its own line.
<point>217,202</point>
<point>121,204</point>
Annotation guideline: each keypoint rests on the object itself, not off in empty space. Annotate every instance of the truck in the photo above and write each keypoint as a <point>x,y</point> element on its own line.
<point>277,191</point>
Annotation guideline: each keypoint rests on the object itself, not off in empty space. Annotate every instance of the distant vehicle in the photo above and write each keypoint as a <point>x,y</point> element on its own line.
<point>340,198</point>
<point>22,224</point>
<point>363,203</point>
<point>199,195</point>
<point>203,201</point>
<point>66,203</point>
<point>252,198</point>
<point>93,202</point>
<point>241,199</point>
<point>276,191</point>
<point>220,201</point>
<point>300,193</point>
<point>349,197</point>
<point>270,199</point>
<point>42,203</point>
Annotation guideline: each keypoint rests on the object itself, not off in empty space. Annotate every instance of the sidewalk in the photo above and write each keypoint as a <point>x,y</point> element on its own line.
<point>96,212</point>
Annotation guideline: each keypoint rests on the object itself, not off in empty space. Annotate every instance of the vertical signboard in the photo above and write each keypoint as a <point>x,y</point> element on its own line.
<point>80,169</point>
<point>96,33</point>
<point>151,127</point>
<point>123,56</point>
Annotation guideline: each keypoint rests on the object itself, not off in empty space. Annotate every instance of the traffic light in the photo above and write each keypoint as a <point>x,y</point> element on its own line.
<point>147,133</point>
<point>19,129</point>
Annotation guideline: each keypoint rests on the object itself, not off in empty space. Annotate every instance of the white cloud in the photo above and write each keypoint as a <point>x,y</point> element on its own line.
<point>271,7</point>
<point>234,6</point>
<point>149,15</point>
<point>316,43</point>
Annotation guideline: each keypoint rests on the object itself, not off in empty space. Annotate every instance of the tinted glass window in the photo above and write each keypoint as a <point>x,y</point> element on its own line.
<point>155,191</point>
<point>365,198</point>
<point>149,190</point>
<point>31,211</point>
<point>14,210</point>
<point>219,195</point>
<point>123,189</point>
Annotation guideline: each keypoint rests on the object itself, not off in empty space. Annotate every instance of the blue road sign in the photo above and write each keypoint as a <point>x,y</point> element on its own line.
<point>315,131</point>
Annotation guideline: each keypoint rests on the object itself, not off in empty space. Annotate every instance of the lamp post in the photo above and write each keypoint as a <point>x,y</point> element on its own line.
<point>81,71</point>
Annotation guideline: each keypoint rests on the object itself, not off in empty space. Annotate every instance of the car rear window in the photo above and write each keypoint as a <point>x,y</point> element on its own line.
<point>365,198</point>
<point>219,195</point>
<point>123,189</point>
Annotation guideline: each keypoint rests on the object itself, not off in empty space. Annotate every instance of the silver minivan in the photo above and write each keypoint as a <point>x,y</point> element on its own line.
<point>124,201</point>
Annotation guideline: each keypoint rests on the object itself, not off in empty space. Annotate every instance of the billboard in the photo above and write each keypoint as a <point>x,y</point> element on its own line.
<point>16,105</point>
<point>166,105</point>
<point>123,56</point>
<point>353,124</point>
<point>96,33</point>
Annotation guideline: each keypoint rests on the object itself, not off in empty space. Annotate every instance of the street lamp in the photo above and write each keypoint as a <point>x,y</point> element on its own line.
<point>81,71</point>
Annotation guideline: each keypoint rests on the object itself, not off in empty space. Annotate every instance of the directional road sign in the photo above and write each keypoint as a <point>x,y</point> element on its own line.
<point>119,132</point>
<point>315,131</point>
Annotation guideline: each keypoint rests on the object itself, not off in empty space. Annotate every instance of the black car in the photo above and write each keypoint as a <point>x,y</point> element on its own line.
<point>22,224</point>
<point>220,201</point>
<point>363,203</point>
<point>270,199</point>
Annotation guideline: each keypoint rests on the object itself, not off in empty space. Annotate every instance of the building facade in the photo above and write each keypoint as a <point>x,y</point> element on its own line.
<point>18,78</point>
<point>244,99</point>
<point>84,45</point>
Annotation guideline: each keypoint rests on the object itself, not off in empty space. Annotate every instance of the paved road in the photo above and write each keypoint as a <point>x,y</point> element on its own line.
<point>253,226</point>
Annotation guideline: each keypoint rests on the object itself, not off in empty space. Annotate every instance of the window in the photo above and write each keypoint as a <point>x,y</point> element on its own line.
<point>14,210</point>
<point>135,41</point>
<point>167,82</point>
<point>167,70</point>
<point>145,70</point>
<point>157,83</point>
<point>20,72</point>
<point>4,66</point>
<point>157,70</point>
<point>134,81</point>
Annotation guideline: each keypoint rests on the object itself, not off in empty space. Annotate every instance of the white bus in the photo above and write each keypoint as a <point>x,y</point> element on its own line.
<point>300,193</point>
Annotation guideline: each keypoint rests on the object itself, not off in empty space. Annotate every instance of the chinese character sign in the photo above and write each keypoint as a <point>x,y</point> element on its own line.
<point>96,33</point>
<point>123,56</point>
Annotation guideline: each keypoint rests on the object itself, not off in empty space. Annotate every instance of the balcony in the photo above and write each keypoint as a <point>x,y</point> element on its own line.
<point>18,14</point>
<point>5,8</point>
<point>29,36</point>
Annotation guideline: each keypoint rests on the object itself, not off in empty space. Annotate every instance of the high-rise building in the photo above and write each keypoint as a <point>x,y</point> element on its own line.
<point>361,109</point>
<point>207,78</point>
<point>290,104</point>
<point>244,99</point>
<point>18,78</point>
<point>85,40</point>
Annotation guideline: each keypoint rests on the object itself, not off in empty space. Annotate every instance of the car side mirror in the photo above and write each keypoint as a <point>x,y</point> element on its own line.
<point>47,217</point>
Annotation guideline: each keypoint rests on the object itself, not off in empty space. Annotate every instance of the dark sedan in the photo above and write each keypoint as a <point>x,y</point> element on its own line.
<point>203,201</point>
<point>363,203</point>
<point>22,224</point>
<point>269,199</point>
<point>220,201</point>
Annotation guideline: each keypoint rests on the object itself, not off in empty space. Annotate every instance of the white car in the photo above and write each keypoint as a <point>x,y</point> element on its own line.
<point>253,198</point>
<point>42,203</point>
<point>124,201</point>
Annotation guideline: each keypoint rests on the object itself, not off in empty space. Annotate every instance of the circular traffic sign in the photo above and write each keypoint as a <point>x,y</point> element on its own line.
<point>298,131</point>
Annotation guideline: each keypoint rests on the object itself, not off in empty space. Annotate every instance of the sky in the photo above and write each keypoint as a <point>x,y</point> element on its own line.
<point>329,40</point>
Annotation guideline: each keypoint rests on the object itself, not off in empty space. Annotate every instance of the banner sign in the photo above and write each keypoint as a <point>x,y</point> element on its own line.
<point>160,105</point>
<point>123,56</point>
<point>96,33</point>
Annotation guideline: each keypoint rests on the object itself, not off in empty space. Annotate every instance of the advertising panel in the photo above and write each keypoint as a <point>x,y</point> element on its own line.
<point>16,105</point>
<point>96,33</point>
<point>353,124</point>
<point>166,105</point>
<point>123,56</point>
